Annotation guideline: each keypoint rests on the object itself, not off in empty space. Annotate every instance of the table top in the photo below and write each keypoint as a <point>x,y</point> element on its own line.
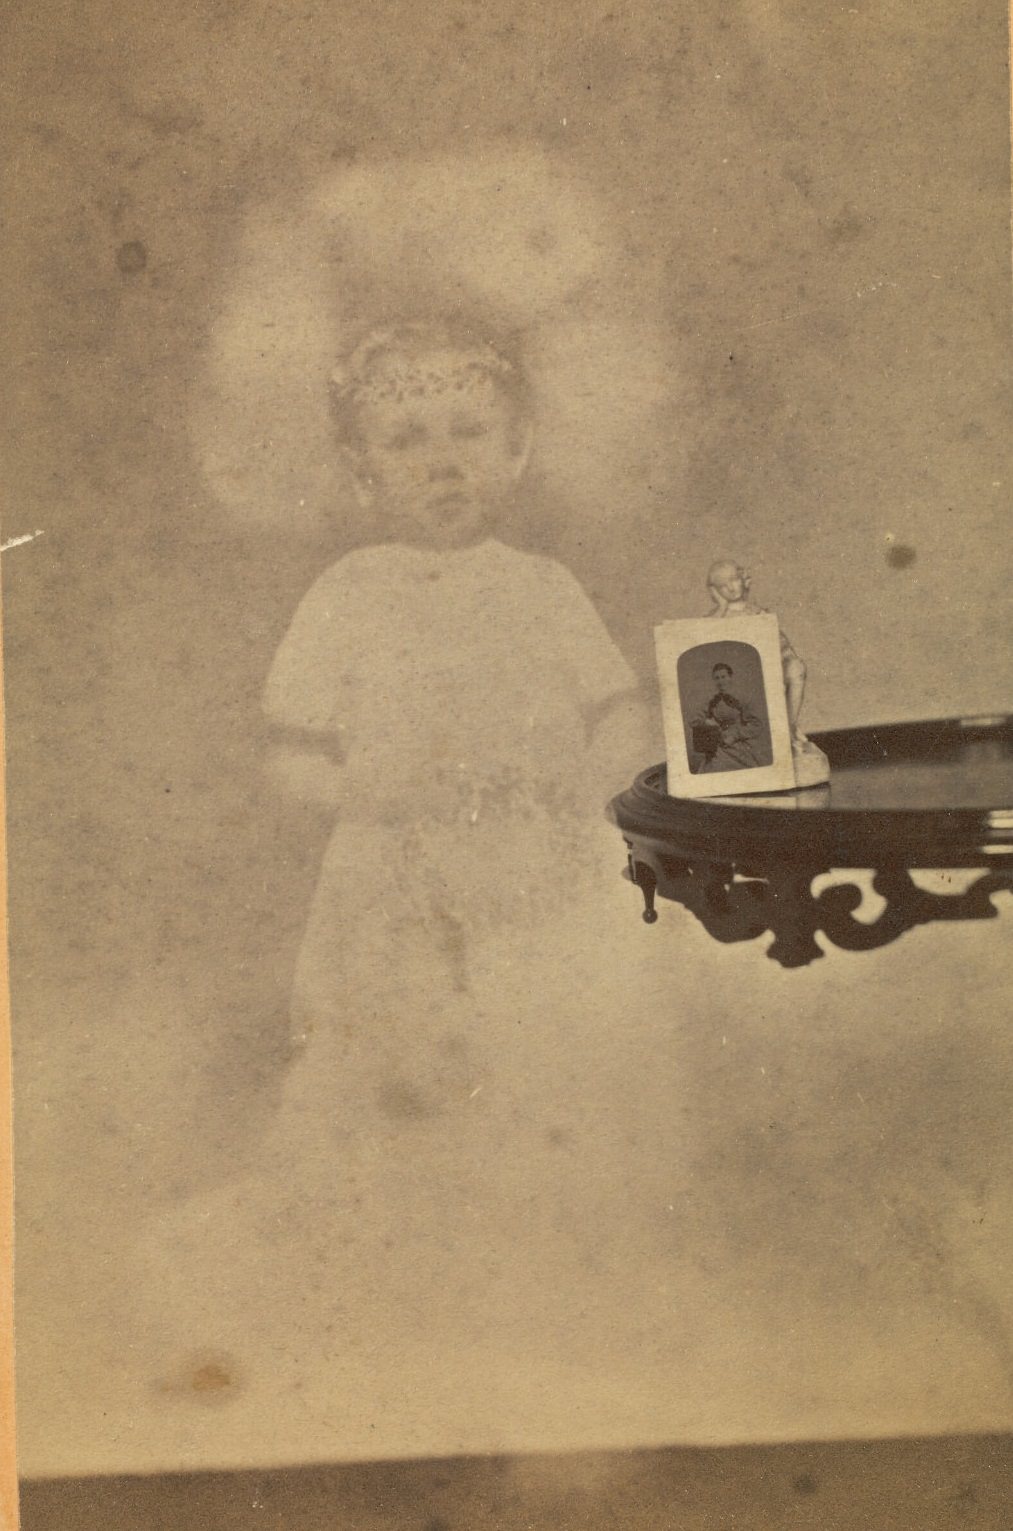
<point>933,794</point>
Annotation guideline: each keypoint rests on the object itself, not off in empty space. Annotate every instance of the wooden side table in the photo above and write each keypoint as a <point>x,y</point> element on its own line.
<point>902,797</point>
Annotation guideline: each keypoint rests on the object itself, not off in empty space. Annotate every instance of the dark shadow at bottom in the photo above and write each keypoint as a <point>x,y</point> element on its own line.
<point>914,1484</point>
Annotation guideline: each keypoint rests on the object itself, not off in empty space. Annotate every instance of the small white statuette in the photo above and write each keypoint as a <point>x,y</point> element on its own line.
<point>729,584</point>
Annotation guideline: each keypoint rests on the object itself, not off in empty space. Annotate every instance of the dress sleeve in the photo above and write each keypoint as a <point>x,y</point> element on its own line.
<point>311,684</point>
<point>586,649</point>
<point>750,726</point>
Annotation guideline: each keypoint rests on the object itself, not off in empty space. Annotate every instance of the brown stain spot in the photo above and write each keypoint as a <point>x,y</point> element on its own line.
<point>901,555</point>
<point>398,1099</point>
<point>132,257</point>
<point>207,1377</point>
<point>800,177</point>
<point>558,1137</point>
<point>805,1483</point>
<point>846,227</point>
<point>542,240</point>
<point>211,1378</point>
<point>165,119</point>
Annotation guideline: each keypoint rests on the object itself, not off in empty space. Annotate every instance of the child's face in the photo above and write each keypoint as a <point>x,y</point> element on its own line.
<point>729,582</point>
<point>445,453</point>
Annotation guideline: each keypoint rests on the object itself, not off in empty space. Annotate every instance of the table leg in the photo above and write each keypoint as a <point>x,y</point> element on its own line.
<point>644,877</point>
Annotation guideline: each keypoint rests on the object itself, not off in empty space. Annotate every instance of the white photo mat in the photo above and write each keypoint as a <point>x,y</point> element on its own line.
<point>687,653</point>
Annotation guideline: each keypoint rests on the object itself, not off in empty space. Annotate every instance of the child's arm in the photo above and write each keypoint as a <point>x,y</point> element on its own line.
<point>305,699</point>
<point>621,738</point>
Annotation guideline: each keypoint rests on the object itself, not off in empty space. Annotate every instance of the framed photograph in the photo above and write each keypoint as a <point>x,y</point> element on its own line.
<point>723,706</point>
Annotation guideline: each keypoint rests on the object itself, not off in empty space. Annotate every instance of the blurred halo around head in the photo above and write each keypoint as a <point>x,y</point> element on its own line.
<point>500,245</point>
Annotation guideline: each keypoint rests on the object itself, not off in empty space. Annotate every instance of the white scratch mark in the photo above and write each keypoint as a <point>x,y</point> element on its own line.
<point>475,1091</point>
<point>16,542</point>
<point>780,319</point>
<point>802,313</point>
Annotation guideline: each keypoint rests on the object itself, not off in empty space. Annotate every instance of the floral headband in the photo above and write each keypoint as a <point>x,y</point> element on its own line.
<point>356,381</point>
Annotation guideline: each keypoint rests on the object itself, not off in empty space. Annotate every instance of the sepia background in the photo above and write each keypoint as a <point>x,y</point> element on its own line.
<point>809,216</point>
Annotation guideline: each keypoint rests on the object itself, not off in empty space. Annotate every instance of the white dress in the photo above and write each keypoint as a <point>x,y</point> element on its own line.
<point>464,689</point>
<point>457,1127</point>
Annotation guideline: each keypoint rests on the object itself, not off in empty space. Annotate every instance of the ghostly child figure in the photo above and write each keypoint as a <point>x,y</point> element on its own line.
<point>462,706</point>
<point>459,711</point>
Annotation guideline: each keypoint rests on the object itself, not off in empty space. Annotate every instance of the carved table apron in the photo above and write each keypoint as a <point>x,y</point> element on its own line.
<point>901,797</point>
